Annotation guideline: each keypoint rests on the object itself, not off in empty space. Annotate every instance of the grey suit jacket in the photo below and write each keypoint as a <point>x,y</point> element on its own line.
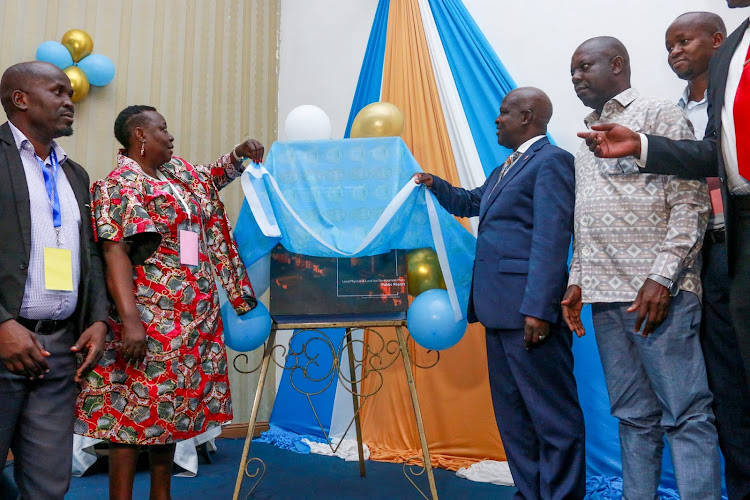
<point>15,238</point>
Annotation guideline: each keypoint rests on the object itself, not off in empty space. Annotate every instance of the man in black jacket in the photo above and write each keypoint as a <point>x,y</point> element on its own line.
<point>53,303</point>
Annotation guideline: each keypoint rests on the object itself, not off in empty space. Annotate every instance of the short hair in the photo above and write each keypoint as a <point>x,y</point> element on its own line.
<point>21,76</point>
<point>129,118</point>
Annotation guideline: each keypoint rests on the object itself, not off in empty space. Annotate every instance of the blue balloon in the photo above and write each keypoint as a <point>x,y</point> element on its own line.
<point>98,69</point>
<point>247,332</point>
<point>431,322</point>
<point>55,53</point>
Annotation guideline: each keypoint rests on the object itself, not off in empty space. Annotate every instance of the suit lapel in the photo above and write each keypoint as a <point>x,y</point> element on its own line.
<point>722,67</point>
<point>511,174</point>
<point>17,177</point>
<point>80,190</point>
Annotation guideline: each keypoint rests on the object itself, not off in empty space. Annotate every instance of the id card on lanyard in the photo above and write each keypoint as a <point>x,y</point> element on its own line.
<point>188,238</point>
<point>58,262</point>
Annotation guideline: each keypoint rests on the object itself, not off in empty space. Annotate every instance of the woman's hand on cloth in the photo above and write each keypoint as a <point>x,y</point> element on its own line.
<point>251,149</point>
<point>133,347</point>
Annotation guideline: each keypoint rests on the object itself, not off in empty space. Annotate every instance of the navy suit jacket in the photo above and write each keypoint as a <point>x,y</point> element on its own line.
<point>525,226</point>
<point>696,159</point>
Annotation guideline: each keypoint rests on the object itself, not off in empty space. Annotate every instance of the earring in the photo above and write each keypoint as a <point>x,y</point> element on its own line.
<point>143,148</point>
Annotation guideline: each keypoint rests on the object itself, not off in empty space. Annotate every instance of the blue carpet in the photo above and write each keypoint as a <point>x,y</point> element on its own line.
<point>291,475</point>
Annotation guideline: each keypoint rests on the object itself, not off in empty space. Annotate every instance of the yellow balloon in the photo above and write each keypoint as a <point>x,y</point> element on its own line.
<point>78,81</point>
<point>423,271</point>
<point>78,43</point>
<point>379,119</point>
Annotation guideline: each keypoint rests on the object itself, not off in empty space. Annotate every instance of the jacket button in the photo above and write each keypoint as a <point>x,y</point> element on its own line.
<point>23,266</point>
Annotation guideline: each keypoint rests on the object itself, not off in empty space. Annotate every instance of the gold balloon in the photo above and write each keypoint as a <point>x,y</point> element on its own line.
<point>423,271</point>
<point>379,119</point>
<point>78,81</point>
<point>78,43</point>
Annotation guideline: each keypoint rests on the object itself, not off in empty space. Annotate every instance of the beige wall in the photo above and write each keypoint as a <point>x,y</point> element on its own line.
<point>209,66</point>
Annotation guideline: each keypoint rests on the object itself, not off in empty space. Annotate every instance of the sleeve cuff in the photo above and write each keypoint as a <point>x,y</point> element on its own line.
<point>641,161</point>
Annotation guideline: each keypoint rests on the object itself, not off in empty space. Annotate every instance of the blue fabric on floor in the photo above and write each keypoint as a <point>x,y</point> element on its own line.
<point>607,487</point>
<point>287,440</point>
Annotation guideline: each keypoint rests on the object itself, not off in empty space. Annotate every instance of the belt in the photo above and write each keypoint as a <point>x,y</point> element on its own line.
<point>741,203</point>
<point>716,235</point>
<point>43,326</point>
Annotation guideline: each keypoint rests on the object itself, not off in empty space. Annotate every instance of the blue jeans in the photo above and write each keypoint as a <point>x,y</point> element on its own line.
<point>657,385</point>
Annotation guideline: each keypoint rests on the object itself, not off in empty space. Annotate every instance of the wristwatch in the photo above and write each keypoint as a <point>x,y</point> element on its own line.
<point>667,283</point>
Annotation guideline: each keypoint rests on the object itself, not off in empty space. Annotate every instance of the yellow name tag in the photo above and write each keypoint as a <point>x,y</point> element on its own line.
<point>58,269</point>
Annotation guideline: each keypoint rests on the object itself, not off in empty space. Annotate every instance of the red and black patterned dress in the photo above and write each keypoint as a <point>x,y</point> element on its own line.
<point>182,388</point>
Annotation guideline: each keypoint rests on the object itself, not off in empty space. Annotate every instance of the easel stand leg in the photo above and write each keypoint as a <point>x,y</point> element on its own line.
<point>270,343</point>
<point>417,413</point>
<point>355,402</point>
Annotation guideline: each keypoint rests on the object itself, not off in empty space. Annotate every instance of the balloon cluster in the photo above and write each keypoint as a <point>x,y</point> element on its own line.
<point>430,317</point>
<point>74,56</point>
<point>310,123</point>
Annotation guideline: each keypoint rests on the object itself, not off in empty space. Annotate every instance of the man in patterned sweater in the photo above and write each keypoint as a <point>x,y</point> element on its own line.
<point>636,259</point>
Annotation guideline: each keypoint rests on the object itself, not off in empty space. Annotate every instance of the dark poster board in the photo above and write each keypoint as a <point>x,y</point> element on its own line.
<point>322,289</point>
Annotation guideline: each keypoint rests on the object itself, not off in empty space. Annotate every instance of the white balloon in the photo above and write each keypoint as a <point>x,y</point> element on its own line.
<point>307,123</point>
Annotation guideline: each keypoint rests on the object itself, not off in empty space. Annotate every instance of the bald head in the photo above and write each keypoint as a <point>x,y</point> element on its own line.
<point>24,77</point>
<point>36,98</point>
<point>524,113</point>
<point>707,21</point>
<point>600,70</point>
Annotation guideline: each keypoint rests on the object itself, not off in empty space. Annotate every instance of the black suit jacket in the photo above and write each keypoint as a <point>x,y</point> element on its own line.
<point>15,238</point>
<point>696,159</point>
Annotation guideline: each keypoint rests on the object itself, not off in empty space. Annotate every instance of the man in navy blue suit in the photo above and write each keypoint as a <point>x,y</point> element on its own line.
<point>525,210</point>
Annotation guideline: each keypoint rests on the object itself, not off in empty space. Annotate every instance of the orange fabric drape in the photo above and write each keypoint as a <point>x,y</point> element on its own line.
<point>454,395</point>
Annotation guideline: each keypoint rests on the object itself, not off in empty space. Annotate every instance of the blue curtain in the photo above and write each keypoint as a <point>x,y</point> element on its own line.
<point>371,73</point>
<point>481,79</point>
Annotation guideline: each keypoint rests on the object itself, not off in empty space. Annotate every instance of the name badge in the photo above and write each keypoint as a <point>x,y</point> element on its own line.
<point>58,269</point>
<point>188,247</point>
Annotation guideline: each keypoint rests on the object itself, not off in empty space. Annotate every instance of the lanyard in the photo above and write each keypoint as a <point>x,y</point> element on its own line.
<point>176,192</point>
<point>50,184</point>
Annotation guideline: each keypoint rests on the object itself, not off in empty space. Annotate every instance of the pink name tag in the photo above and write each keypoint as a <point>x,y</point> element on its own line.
<point>188,248</point>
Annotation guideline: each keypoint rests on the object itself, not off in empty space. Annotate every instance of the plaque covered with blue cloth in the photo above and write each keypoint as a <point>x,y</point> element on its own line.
<point>346,211</point>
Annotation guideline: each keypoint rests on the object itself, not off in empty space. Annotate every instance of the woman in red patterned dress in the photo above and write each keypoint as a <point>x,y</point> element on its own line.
<point>166,240</point>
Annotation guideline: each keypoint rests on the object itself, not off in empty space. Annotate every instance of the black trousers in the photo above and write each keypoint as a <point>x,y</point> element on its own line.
<point>725,370</point>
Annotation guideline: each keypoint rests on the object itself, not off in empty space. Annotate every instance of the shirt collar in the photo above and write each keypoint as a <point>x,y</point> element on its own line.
<point>526,145</point>
<point>686,103</point>
<point>617,103</point>
<point>22,142</point>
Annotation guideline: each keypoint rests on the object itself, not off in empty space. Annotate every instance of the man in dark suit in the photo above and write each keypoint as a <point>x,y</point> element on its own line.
<point>722,152</point>
<point>53,300</point>
<point>525,211</point>
<point>691,41</point>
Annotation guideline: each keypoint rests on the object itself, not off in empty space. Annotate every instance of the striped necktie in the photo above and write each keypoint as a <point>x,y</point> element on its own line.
<point>509,161</point>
